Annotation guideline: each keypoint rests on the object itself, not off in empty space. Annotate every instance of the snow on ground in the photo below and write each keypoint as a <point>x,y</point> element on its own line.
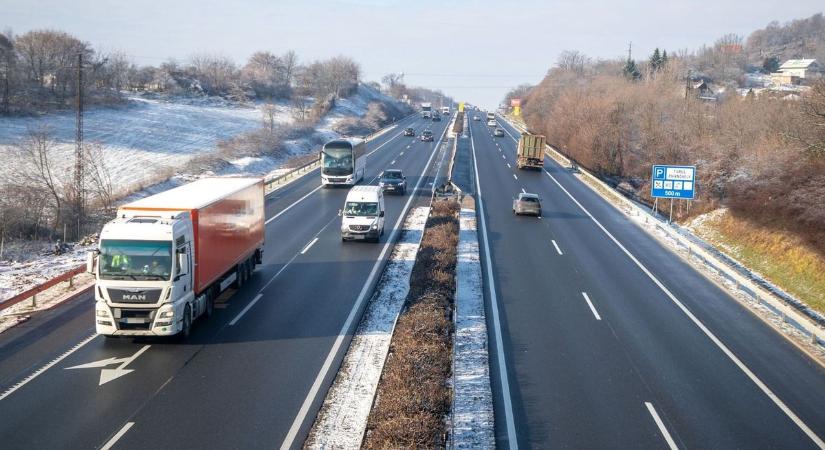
<point>472,413</point>
<point>343,417</point>
<point>158,135</point>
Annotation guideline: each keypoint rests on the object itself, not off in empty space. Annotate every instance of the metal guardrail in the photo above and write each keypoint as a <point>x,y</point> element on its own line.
<point>32,293</point>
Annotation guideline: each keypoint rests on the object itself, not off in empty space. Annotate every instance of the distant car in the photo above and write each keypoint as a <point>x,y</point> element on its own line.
<point>436,118</point>
<point>427,135</point>
<point>476,118</point>
<point>393,180</point>
<point>491,123</point>
<point>498,133</point>
<point>527,203</point>
<point>409,131</point>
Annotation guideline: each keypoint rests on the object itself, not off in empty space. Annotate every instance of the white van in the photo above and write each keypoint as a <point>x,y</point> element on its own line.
<point>363,215</point>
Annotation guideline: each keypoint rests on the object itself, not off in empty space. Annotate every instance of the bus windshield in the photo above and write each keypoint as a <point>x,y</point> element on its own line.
<point>135,260</point>
<point>337,160</point>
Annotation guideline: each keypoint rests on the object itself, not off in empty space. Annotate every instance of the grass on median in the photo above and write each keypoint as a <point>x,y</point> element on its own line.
<point>413,397</point>
<point>781,257</point>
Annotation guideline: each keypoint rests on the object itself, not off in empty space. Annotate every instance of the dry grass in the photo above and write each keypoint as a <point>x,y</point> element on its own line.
<point>413,397</point>
<point>781,256</point>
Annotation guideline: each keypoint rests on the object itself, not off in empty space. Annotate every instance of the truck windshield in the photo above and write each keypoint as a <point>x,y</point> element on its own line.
<point>360,209</point>
<point>135,260</point>
<point>337,160</point>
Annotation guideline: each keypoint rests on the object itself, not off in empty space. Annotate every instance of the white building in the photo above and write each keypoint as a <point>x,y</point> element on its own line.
<point>801,68</point>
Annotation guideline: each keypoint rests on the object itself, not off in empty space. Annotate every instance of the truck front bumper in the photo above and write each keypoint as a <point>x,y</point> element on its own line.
<point>113,321</point>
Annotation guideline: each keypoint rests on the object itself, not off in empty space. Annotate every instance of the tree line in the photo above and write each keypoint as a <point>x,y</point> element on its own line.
<point>763,157</point>
<point>39,72</point>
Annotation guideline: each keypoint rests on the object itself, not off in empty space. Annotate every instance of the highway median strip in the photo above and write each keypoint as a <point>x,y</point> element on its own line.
<point>413,398</point>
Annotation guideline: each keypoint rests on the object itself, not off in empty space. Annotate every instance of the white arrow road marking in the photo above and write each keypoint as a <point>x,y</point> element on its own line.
<point>107,375</point>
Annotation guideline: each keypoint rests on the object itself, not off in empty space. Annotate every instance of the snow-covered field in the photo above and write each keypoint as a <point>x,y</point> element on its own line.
<point>343,416</point>
<point>150,136</point>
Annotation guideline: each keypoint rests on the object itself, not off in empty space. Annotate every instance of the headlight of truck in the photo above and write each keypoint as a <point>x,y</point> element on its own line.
<point>102,313</point>
<point>165,314</point>
<point>375,225</point>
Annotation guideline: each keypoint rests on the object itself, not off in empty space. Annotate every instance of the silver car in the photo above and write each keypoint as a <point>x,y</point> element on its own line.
<point>527,203</point>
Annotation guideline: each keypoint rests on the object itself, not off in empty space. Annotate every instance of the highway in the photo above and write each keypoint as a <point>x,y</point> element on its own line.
<point>251,376</point>
<point>610,340</point>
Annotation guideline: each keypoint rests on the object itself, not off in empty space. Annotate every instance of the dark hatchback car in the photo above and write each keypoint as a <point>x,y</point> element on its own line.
<point>427,135</point>
<point>409,131</point>
<point>436,118</point>
<point>393,180</point>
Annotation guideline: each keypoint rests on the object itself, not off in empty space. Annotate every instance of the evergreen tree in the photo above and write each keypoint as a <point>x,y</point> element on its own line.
<point>655,60</point>
<point>630,70</point>
<point>664,58</point>
<point>770,65</point>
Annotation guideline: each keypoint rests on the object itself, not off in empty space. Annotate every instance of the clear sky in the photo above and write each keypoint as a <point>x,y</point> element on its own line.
<point>474,50</point>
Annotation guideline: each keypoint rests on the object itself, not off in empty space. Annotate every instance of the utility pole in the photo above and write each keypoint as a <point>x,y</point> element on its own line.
<point>629,50</point>
<point>78,164</point>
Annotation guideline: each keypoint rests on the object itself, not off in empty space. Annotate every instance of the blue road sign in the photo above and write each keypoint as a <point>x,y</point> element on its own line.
<point>673,182</point>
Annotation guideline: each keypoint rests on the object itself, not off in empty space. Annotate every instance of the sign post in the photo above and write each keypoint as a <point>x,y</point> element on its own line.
<point>673,182</point>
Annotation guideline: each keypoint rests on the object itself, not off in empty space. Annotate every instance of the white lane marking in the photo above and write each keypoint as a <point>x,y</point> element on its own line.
<point>311,243</point>
<point>290,206</point>
<point>393,162</point>
<point>514,176</point>
<point>401,154</point>
<point>345,329</point>
<point>117,436</point>
<point>319,187</point>
<point>48,366</point>
<point>509,166</point>
<point>107,375</point>
<point>558,250</point>
<point>752,376</point>
<point>523,191</point>
<point>503,157</point>
<point>661,425</point>
<point>250,305</point>
<point>592,308</point>
<point>491,287</point>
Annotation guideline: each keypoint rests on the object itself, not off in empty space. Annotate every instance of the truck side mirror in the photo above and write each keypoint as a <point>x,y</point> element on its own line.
<point>381,214</point>
<point>183,264</point>
<point>90,262</point>
<point>340,211</point>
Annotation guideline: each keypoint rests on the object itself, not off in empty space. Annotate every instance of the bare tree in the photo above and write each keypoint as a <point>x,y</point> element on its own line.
<point>7,67</point>
<point>270,113</point>
<point>41,170</point>
<point>99,176</point>
<point>573,61</point>
<point>290,66</point>
<point>300,107</point>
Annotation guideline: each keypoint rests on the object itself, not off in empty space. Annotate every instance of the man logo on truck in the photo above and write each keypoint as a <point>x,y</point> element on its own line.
<point>134,297</point>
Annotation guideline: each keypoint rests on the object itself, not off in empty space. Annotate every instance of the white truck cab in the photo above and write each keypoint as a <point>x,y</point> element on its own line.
<point>363,215</point>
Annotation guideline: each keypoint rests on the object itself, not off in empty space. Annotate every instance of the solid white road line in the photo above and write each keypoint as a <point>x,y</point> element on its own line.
<point>661,425</point>
<point>117,437</point>
<point>289,439</point>
<point>250,305</point>
<point>491,287</point>
<point>557,248</point>
<point>48,366</point>
<point>592,308</point>
<point>311,243</point>
<point>752,376</point>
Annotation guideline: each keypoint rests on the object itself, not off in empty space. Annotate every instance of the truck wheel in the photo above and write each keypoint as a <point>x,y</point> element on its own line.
<point>210,302</point>
<point>239,276</point>
<point>187,322</point>
<point>250,269</point>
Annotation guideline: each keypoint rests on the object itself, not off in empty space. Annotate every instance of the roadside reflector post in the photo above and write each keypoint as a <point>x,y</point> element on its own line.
<point>34,300</point>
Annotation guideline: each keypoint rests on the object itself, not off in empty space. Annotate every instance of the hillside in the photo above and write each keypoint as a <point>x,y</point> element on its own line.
<point>801,38</point>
